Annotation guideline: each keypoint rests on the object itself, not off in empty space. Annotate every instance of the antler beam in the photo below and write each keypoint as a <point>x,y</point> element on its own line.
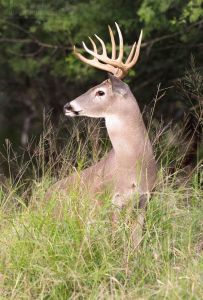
<point>114,65</point>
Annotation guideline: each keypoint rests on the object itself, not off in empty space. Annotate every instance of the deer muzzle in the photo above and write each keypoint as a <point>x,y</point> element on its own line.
<point>70,111</point>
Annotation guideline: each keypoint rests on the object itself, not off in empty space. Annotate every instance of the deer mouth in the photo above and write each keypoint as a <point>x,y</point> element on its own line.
<point>72,113</point>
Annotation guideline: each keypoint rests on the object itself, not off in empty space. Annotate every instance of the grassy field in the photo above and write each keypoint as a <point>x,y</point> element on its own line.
<point>79,256</point>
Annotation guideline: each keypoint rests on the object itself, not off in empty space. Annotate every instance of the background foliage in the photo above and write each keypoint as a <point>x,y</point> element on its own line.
<point>38,71</point>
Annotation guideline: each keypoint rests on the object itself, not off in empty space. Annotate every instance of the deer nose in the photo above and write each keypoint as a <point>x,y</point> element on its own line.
<point>67,108</point>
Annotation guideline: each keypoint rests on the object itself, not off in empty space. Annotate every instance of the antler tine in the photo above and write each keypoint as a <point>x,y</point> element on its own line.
<point>113,44</point>
<point>131,53</point>
<point>137,52</point>
<point>93,44</point>
<point>103,45</point>
<point>120,56</point>
<point>87,49</point>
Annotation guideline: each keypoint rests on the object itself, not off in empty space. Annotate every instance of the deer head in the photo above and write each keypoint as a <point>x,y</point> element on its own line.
<point>106,98</point>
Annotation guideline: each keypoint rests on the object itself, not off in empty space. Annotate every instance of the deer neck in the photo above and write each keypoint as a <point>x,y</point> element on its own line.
<point>128,135</point>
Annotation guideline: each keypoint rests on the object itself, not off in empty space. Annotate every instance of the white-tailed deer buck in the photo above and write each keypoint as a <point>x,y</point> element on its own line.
<point>129,168</point>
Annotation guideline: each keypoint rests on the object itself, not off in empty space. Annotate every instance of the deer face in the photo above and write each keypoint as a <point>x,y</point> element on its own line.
<point>100,101</point>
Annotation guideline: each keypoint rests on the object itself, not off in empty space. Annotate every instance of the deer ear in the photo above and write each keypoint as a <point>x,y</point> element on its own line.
<point>118,86</point>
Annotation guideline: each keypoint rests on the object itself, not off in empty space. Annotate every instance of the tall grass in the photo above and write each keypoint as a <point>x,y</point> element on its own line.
<point>78,255</point>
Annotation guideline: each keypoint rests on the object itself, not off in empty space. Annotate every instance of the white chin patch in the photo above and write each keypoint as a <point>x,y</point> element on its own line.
<point>70,114</point>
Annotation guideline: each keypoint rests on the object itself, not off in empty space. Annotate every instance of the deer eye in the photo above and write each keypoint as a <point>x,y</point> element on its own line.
<point>100,93</point>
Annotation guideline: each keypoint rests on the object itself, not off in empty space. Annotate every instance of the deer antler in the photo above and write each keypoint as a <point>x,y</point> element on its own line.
<point>113,65</point>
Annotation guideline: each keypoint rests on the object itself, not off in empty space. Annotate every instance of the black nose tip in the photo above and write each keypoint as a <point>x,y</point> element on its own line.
<point>67,107</point>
